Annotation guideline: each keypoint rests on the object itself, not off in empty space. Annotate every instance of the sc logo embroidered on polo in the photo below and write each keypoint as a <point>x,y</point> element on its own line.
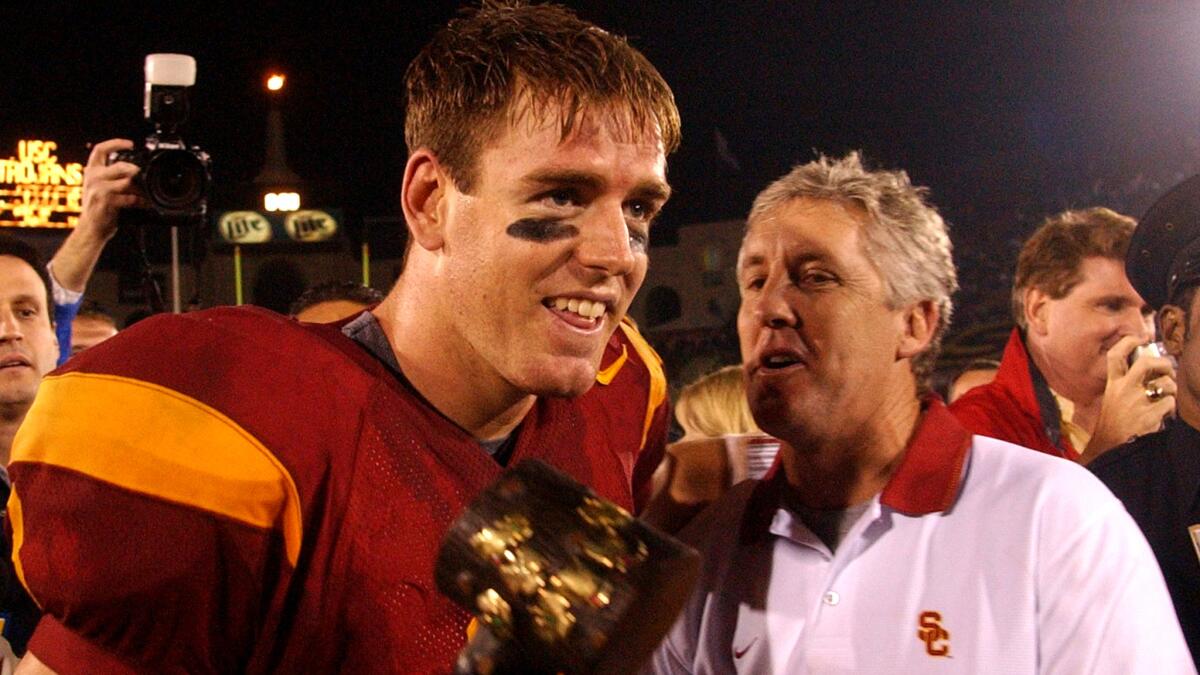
<point>933,634</point>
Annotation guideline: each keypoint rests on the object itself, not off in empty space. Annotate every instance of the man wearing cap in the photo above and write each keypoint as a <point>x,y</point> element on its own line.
<point>1158,476</point>
<point>1065,385</point>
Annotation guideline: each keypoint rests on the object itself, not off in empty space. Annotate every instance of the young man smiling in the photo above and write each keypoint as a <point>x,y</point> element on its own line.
<point>281,489</point>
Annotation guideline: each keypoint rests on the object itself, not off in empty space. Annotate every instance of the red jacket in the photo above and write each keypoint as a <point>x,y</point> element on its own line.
<point>1017,406</point>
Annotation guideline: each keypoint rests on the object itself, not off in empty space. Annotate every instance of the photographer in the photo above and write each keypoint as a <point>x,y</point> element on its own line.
<point>107,188</point>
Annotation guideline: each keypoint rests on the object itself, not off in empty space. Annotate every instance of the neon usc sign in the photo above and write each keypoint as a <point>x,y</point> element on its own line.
<point>36,190</point>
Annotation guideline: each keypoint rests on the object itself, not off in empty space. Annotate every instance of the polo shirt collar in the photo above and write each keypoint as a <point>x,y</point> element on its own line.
<point>927,481</point>
<point>931,471</point>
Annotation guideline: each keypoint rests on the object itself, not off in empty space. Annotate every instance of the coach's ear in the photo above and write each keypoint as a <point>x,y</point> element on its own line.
<point>920,321</point>
<point>422,197</point>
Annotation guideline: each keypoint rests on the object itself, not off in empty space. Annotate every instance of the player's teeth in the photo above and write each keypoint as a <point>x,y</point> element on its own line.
<point>588,309</point>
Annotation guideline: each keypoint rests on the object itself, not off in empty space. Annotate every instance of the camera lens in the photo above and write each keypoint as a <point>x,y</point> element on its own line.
<point>175,179</point>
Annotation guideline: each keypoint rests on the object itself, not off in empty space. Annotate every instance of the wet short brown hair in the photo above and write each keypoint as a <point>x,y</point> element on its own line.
<point>1051,258</point>
<point>501,60</point>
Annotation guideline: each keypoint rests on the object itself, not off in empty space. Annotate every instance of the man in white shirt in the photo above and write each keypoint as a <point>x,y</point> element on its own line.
<point>888,538</point>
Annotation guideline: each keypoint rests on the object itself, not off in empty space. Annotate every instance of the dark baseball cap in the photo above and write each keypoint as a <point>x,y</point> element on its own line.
<point>1164,254</point>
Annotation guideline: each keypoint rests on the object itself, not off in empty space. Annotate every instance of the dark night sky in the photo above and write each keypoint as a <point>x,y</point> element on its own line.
<point>1005,112</point>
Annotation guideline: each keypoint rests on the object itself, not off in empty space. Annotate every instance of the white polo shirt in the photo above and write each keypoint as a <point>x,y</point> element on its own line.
<point>979,556</point>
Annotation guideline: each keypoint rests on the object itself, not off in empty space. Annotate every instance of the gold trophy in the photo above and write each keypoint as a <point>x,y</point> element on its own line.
<point>559,579</point>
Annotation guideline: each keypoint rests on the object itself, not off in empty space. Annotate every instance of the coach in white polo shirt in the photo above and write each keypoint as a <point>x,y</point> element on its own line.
<point>889,539</point>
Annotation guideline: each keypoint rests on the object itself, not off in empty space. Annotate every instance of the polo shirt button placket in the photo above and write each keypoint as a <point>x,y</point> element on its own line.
<point>832,598</point>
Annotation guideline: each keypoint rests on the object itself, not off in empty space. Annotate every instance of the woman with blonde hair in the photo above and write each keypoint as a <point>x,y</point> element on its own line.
<point>721,446</point>
<point>715,405</point>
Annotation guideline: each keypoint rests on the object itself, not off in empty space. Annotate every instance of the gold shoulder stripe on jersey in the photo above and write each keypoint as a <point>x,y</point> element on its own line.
<point>163,444</point>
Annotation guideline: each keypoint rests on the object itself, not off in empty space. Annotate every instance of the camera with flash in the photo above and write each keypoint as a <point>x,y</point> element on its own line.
<point>174,176</point>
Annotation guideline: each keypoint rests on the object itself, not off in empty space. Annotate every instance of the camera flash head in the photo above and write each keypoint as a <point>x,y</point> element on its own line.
<point>168,78</point>
<point>170,70</point>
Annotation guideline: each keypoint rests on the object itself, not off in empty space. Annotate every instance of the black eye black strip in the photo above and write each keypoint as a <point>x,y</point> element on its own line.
<point>541,230</point>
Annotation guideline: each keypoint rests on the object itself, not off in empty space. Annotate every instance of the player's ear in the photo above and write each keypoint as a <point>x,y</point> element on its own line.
<point>422,195</point>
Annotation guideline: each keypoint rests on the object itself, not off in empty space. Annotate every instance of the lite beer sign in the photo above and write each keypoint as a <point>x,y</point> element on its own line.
<point>310,226</point>
<point>252,227</point>
<point>244,227</point>
<point>36,190</point>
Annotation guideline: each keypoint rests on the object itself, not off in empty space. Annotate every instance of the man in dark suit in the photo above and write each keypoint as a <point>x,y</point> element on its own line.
<point>1158,476</point>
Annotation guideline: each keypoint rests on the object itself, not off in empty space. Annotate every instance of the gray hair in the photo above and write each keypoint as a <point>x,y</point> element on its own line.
<point>904,238</point>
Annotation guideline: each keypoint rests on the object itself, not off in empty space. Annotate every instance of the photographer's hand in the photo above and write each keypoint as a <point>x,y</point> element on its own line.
<point>107,188</point>
<point>1128,410</point>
